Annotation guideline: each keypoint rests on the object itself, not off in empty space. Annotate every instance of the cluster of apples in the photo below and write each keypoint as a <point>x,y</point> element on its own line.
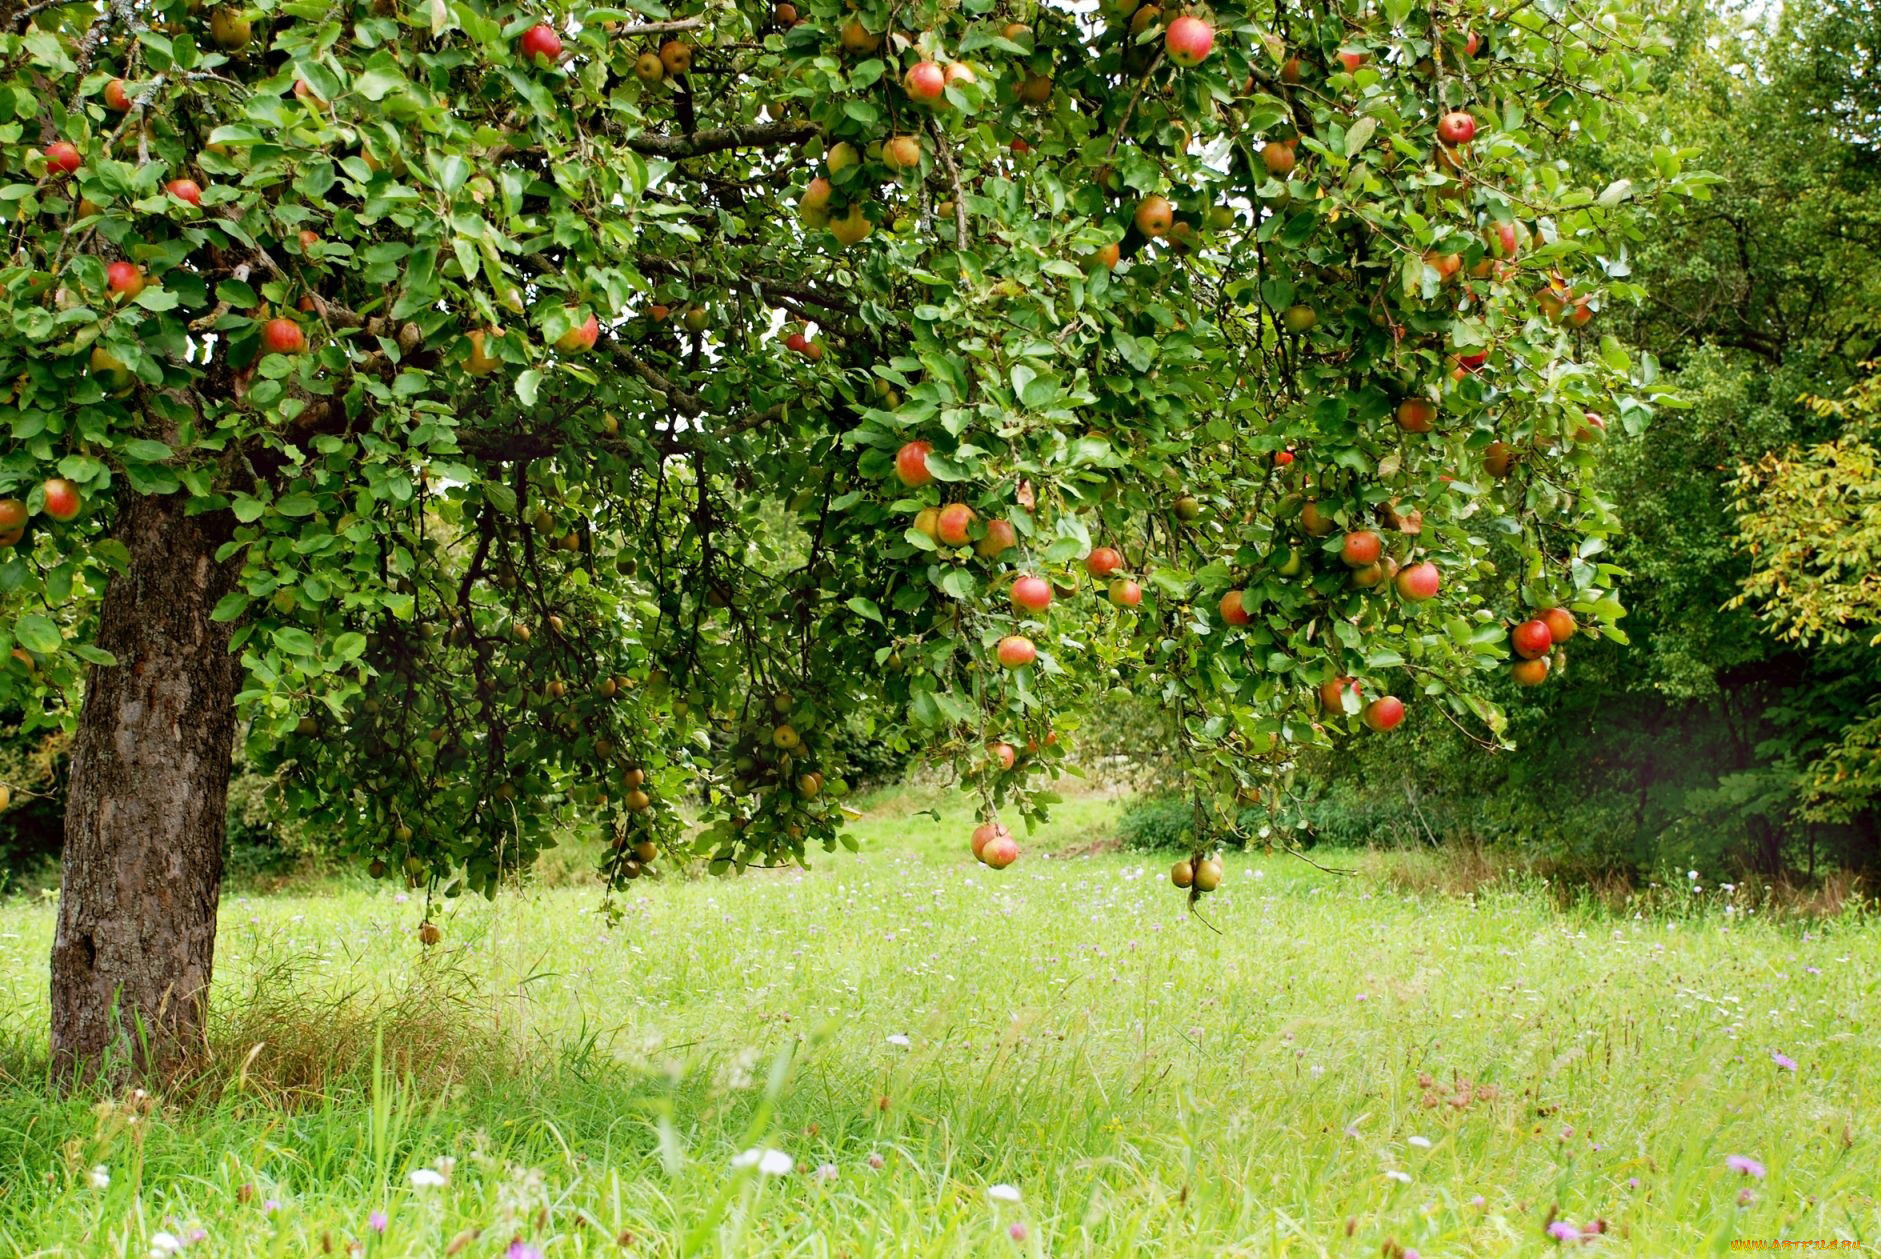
<point>993,845</point>
<point>1197,874</point>
<point>60,500</point>
<point>1537,643</point>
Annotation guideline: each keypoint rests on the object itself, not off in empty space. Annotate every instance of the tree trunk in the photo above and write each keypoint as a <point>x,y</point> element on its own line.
<point>146,806</point>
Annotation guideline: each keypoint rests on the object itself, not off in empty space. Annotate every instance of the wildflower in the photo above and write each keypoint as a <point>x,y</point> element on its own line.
<point>162,1244</point>
<point>1632,1182</point>
<point>1401,1177</point>
<point>898,1039</point>
<point>768,1162</point>
<point>1479,1201</point>
<point>1745,1197</point>
<point>1422,1143</point>
<point>376,1221</point>
<point>825,1171</point>
<point>1562,1231</point>
<point>1783,1060</point>
<point>1692,875</point>
<point>425,1178</point>
<point>1409,1253</point>
<point>1016,1232</point>
<point>1003,1193</point>
<point>100,1177</point>
<point>270,1206</point>
<point>520,1249</point>
<point>197,1235</point>
<point>876,1161</point>
<point>1746,1165</point>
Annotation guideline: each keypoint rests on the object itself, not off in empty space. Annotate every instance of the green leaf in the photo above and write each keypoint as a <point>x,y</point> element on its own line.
<point>37,633</point>
<point>527,382</point>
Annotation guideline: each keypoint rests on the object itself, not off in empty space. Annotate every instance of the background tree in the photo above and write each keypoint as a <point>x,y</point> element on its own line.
<point>518,417</point>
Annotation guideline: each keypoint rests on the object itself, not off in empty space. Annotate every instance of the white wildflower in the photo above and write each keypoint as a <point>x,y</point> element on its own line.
<point>768,1162</point>
<point>425,1178</point>
<point>1003,1193</point>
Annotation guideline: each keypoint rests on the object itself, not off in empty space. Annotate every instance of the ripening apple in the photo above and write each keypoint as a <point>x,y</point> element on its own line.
<point>1208,874</point>
<point>117,96</point>
<point>1290,71</point>
<point>858,38</point>
<point>1234,608</point>
<point>62,156</point>
<point>541,41</point>
<point>1582,314</point>
<point>1316,522</point>
<point>696,319</point>
<point>1472,43</point>
<point>1299,318</point>
<point>984,834</point>
<point>1456,127</point>
<point>956,522</point>
<point>1561,624</point>
<point>1103,561</point>
<point>1278,158</point>
<point>648,68</point>
<point>1591,429</point>
<point>1351,59</point>
<point>1126,593</point>
<point>61,498</point>
<point>228,28</point>
<point>902,153</point>
<point>1360,548</point>
<point>1187,507</point>
<point>283,336</point>
<point>580,338</point>
<point>1419,582</point>
<point>676,56</point>
<point>1016,651</point>
<point>1473,360</point>
<point>1530,672</point>
<point>1000,538</point>
<point>1182,874</point>
<point>12,515</point>
<point>1004,754</point>
<point>1031,594</point>
<point>185,190</point>
<point>1155,216</point>
<point>785,15</point>
<point>1531,639</point>
<point>1498,459</point>
<point>481,362</point>
<point>816,195</point>
<point>1282,458</point>
<point>911,464</point>
<point>1332,694</point>
<point>126,279</point>
<point>1383,713</point>
<point>1369,576</point>
<point>1188,40</point>
<point>925,82</point>
<point>1416,415</point>
<point>1000,851</point>
<point>1109,256</point>
<point>853,228</point>
<point>1034,89</point>
<point>1505,240</point>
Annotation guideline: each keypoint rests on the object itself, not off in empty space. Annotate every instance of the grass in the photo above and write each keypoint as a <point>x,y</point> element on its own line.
<point>1338,1067</point>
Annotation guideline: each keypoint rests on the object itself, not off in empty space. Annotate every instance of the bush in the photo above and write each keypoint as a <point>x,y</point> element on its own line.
<point>1166,823</point>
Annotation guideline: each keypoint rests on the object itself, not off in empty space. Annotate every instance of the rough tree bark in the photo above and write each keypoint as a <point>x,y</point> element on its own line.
<point>145,814</point>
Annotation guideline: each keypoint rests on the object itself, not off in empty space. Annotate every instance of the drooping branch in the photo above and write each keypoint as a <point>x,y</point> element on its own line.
<point>756,135</point>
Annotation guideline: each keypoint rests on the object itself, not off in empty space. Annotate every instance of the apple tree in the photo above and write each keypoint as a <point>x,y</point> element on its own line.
<point>509,417</point>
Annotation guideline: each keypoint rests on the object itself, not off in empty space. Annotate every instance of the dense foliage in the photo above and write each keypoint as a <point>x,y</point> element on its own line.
<point>559,382</point>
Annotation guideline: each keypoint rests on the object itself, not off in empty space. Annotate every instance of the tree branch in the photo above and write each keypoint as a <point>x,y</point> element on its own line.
<point>718,139</point>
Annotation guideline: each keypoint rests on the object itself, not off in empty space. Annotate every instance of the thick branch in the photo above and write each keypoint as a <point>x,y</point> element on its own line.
<point>755,135</point>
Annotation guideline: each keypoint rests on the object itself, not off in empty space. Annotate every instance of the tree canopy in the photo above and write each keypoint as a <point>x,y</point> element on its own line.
<point>600,404</point>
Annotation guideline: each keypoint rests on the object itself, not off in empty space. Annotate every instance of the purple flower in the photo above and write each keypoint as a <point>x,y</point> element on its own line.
<point>376,1221</point>
<point>1016,1232</point>
<point>1411,1254</point>
<point>1562,1231</point>
<point>1783,1060</point>
<point>270,1206</point>
<point>520,1249</point>
<point>1745,1164</point>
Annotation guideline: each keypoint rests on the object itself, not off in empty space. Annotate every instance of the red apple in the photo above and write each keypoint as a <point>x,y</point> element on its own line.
<point>1473,361</point>
<point>1000,851</point>
<point>1351,60</point>
<point>1383,713</point>
<point>1004,753</point>
<point>1103,561</point>
<point>1419,582</point>
<point>1498,459</point>
<point>1531,639</point>
<point>126,279</point>
<point>1332,694</point>
<point>541,41</point>
<point>1560,623</point>
<point>1278,158</point>
<point>1188,40</point>
<point>925,82</point>
<point>1126,593</point>
<point>1504,240</point>
<point>1456,127</point>
<point>911,464</point>
<point>62,500</point>
<point>116,96</point>
<point>61,156</point>
<point>984,834</point>
<point>1591,430</point>
<point>1472,44</point>
<point>1110,256</point>
<point>185,190</point>
<point>1155,216</point>
<point>580,338</point>
<point>1416,415</point>
<point>1031,594</point>
<point>1282,458</point>
<point>1361,548</point>
<point>282,336</point>
<point>798,343</point>
<point>1016,651</point>
<point>1234,608</point>
<point>956,521</point>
